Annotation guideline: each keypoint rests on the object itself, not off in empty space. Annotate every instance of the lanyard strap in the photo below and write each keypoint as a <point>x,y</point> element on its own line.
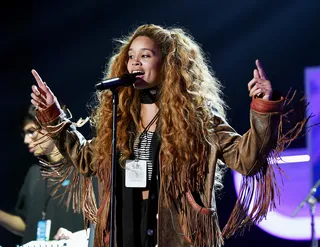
<point>155,118</point>
<point>44,210</point>
<point>144,134</point>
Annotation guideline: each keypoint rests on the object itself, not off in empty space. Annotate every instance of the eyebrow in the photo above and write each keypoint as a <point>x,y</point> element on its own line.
<point>144,49</point>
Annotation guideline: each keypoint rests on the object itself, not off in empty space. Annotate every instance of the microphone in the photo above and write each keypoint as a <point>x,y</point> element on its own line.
<point>113,83</point>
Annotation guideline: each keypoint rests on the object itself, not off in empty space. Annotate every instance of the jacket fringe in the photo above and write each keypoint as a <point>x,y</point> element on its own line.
<point>79,193</point>
<point>260,192</point>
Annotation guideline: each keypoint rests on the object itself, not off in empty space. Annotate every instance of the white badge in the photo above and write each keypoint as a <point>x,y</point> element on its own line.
<point>43,230</point>
<point>136,173</point>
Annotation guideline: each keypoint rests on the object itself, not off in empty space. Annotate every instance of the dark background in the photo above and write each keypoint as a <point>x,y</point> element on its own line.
<point>68,43</point>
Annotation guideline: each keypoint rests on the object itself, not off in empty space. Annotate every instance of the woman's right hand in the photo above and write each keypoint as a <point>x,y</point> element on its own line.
<point>42,96</point>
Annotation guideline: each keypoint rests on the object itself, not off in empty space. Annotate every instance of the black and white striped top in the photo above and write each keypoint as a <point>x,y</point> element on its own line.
<point>143,151</point>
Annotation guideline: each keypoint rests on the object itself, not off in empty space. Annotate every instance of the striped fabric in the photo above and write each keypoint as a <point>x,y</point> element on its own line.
<point>143,150</point>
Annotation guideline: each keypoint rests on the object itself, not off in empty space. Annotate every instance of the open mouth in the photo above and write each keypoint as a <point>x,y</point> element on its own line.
<point>137,73</point>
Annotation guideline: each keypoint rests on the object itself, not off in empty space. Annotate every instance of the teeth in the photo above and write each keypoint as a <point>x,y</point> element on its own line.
<point>137,72</point>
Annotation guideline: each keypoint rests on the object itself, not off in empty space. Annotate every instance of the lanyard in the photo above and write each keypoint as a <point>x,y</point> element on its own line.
<point>144,134</point>
<point>44,210</point>
<point>149,124</point>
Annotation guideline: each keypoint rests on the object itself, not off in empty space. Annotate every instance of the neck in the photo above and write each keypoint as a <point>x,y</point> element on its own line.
<point>147,113</point>
<point>148,109</point>
<point>148,95</point>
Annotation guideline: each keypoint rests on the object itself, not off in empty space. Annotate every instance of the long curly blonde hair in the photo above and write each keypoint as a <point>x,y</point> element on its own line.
<point>189,95</point>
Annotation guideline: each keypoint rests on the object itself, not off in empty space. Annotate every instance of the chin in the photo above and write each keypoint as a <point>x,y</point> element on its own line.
<point>142,84</point>
<point>37,154</point>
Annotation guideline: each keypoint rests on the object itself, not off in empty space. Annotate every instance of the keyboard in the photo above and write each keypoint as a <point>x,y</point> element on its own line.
<point>59,243</point>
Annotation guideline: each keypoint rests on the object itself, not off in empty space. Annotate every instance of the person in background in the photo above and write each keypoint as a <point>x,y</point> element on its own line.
<point>35,201</point>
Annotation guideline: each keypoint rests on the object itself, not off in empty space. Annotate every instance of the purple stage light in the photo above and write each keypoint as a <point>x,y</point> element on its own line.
<point>295,187</point>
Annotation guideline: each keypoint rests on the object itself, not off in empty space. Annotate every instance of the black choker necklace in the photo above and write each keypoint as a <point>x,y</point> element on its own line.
<point>149,95</point>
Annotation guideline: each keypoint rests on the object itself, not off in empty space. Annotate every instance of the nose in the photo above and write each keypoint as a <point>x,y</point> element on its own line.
<point>136,62</point>
<point>27,139</point>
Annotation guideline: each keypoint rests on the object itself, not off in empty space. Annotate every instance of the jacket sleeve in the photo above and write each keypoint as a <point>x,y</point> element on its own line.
<point>76,164</point>
<point>246,154</point>
<point>76,150</point>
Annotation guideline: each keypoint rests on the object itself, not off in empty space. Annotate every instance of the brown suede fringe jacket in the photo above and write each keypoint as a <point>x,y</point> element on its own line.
<point>194,223</point>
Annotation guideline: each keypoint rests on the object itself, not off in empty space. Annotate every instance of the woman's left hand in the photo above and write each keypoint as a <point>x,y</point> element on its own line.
<point>260,86</point>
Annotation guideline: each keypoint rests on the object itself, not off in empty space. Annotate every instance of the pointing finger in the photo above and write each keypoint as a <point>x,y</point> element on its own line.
<point>261,70</point>
<point>38,78</point>
<point>256,74</point>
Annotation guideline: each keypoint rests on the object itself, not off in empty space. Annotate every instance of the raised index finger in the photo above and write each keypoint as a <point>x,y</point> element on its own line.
<point>260,69</point>
<point>38,79</point>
